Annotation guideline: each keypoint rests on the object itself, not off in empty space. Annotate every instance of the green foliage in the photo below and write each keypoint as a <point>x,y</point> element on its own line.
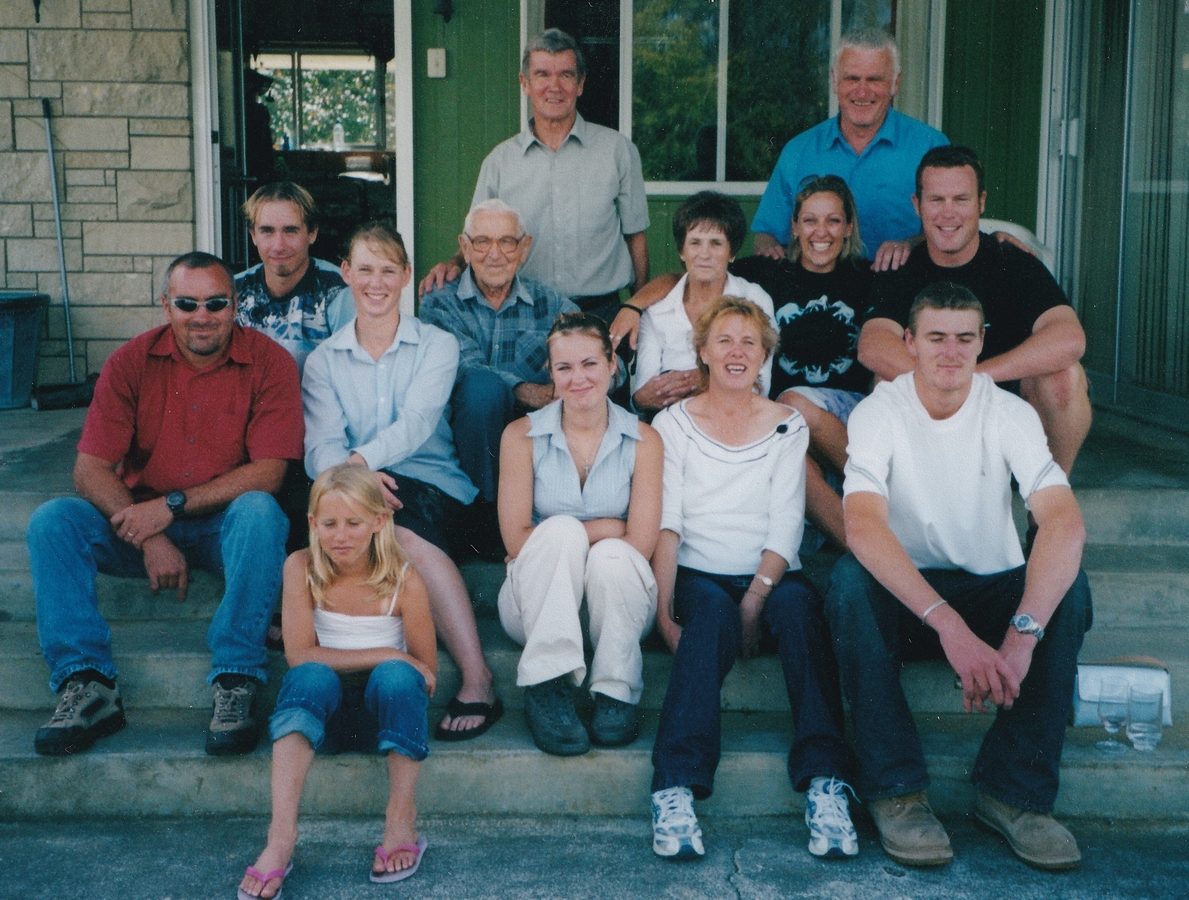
<point>777,83</point>
<point>674,82</point>
<point>328,97</point>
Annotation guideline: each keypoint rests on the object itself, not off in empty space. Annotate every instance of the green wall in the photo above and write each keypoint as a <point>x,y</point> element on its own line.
<point>459,118</point>
<point>992,91</point>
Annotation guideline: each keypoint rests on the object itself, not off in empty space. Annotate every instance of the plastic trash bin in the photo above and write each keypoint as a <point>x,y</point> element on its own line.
<point>20,334</point>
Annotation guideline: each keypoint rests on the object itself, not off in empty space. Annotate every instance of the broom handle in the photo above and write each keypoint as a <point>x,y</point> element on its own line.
<point>49,143</point>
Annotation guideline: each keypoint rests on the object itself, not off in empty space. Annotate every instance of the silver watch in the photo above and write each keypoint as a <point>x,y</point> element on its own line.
<point>1025,624</point>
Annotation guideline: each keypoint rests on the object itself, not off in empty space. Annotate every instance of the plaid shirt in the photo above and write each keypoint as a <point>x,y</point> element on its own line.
<point>511,340</point>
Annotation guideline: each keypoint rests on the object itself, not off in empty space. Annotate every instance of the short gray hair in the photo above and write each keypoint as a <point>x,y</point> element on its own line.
<point>868,39</point>
<point>197,259</point>
<point>553,40</point>
<point>494,205</point>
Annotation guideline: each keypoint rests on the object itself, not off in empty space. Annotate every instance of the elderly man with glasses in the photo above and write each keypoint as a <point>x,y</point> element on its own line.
<point>501,320</point>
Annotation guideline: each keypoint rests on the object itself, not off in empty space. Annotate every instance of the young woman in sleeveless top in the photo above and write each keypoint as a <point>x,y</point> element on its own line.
<point>360,643</point>
<point>579,505</point>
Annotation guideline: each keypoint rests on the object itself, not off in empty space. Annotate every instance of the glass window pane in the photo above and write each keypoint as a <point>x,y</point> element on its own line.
<point>674,87</point>
<point>778,83</point>
<point>278,99</point>
<point>866,14</point>
<point>338,90</point>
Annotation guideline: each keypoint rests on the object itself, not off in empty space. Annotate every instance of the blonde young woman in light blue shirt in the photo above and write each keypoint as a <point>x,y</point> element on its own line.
<point>579,507</point>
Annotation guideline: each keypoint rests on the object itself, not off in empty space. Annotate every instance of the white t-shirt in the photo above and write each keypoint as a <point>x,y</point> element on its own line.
<point>948,481</point>
<point>666,341</point>
<point>730,504</point>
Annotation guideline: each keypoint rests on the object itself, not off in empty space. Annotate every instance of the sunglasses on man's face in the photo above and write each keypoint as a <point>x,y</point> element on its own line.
<point>189,305</point>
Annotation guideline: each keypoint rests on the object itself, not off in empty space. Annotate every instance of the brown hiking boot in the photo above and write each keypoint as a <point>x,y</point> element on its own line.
<point>1036,838</point>
<point>909,832</point>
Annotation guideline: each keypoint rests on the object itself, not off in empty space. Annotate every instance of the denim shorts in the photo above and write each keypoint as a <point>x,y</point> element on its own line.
<point>384,710</point>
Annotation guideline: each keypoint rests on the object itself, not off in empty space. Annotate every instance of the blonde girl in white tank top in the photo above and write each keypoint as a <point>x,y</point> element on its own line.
<point>354,611</point>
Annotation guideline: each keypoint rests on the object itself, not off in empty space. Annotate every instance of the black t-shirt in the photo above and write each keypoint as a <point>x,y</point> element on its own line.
<point>818,316</point>
<point>1014,287</point>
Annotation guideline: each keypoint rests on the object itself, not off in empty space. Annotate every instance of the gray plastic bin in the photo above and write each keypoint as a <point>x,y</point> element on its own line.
<point>20,334</point>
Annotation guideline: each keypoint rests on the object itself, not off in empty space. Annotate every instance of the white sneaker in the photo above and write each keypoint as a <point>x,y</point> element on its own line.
<point>675,831</point>
<point>827,813</point>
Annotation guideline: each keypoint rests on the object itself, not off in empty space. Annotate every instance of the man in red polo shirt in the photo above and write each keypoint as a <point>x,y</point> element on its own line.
<point>191,429</point>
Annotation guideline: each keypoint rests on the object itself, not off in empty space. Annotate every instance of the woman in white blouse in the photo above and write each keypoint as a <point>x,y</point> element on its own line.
<point>579,507</point>
<point>709,228</point>
<point>729,583</point>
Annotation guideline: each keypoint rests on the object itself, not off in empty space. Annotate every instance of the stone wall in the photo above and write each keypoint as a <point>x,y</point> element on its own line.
<point>116,73</point>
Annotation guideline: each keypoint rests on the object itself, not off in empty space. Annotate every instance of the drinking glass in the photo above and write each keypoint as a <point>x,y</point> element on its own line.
<point>1112,713</point>
<point>1145,718</point>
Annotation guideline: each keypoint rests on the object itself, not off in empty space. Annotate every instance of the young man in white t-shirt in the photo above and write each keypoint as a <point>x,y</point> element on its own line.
<point>936,570</point>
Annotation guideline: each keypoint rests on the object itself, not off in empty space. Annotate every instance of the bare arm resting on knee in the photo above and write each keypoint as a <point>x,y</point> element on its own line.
<point>983,671</point>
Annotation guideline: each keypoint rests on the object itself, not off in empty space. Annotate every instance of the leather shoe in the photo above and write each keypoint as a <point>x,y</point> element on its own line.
<point>1036,838</point>
<point>909,832</point>
<point>552,718</point>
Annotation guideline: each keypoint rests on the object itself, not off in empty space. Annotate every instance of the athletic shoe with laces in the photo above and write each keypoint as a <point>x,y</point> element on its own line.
<point>87,712</point>
<point>233,724</point>
<point>827,813</point>
<point>675,831</point>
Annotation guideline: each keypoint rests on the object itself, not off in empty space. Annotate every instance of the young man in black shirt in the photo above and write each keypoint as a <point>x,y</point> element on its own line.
<point>1034,341</point>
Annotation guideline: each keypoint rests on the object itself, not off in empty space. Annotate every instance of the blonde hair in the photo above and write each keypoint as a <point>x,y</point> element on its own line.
<point>731,306</point>
<point>382,239</point>
<point>355,484</point>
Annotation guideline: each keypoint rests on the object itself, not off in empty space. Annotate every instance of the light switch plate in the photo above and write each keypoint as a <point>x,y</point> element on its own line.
<point>436,62</point>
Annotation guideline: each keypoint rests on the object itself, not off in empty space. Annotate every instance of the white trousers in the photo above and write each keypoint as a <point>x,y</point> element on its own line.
<point>542,595</point>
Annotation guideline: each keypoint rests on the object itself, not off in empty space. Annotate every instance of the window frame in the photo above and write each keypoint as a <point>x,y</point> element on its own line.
<point>683,188</point>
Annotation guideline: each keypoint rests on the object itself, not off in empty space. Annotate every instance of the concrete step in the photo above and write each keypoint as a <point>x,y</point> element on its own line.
<point>156,767</point>
<point>1130,583</point>
<point>1136,515</point>
<point>164,664</point>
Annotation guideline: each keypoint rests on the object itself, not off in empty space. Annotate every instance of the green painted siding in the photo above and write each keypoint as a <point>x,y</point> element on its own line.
<point>459,118</point>
<point>993,66</point>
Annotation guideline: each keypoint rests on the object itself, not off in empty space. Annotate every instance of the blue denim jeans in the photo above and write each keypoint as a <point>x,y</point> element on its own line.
<point>70,540</point>
<point>482,406</point>
<point>1020,759</point>
<point>689,739</point>
<point>338,713</point>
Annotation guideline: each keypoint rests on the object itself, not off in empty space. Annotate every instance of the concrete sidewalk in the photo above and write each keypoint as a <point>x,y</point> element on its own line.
<point>568,859</point>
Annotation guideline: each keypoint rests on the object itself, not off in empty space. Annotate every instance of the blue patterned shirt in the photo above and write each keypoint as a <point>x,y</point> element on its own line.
<point>303,318</point>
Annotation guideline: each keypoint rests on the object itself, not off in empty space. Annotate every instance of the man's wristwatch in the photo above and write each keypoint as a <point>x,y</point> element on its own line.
<point>1025,624</point>
<point>176,501</point>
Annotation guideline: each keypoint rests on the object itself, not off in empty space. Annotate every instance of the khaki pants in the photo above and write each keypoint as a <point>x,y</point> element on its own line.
<point>542,595</point>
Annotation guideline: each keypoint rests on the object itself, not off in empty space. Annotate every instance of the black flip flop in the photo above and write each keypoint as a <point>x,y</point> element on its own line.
<point>455,709</point>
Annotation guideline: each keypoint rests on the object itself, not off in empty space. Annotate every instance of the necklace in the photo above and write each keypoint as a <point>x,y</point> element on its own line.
<point>586,456</point>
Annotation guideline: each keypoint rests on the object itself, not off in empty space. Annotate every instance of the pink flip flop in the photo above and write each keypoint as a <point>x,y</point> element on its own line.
<point>389,877</point>
<point>264,878</point>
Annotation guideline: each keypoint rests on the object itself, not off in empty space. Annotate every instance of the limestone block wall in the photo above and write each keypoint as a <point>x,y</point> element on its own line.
<point>116,73</point>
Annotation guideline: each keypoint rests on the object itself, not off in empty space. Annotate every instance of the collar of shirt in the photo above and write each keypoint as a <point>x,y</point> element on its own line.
<point>241,353</point>
<point>546,422</point>
<point>468,290</point>
<point>408,332</point>
<point>887,133</point>
<point>577,132</point>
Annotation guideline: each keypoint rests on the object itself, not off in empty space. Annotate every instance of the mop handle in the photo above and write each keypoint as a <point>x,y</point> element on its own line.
<point>49,142</point>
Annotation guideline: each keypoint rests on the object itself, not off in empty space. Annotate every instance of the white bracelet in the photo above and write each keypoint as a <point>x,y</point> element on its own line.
<point>765,579</point>
<point>925,614</point>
